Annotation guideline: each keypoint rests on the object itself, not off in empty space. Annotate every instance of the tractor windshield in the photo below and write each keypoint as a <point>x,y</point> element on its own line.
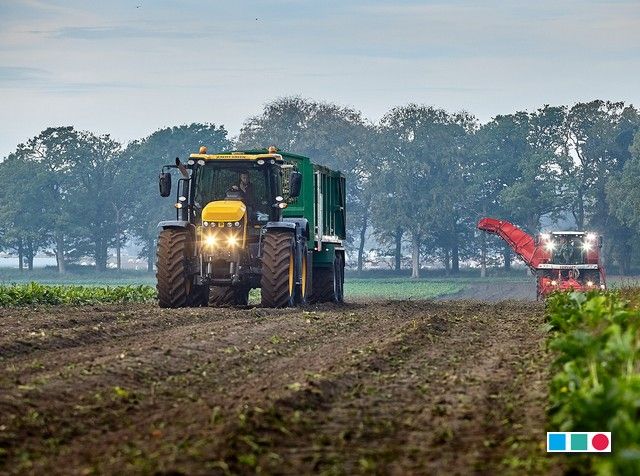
<point>254,185</point>
<point>568,250</point>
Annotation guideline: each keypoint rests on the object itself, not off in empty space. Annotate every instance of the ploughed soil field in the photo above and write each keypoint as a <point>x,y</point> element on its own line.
<point>404,387</point>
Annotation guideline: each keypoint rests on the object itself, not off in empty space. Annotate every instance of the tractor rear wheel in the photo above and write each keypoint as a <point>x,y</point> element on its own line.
<point>328,283</point>
<point>278,269</point>
<point>175,284</point>
<point>228,296</point>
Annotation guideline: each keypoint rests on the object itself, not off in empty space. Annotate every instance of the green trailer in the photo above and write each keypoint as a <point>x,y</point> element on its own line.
<point>252,219</point>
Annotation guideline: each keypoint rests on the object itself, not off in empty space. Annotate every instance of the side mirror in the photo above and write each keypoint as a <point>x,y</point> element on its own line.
<point>295,184</point>
<point>165,184</point>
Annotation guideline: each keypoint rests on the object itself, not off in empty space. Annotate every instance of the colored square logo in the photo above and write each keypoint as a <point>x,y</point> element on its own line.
<point>557,442</point>
<point>579,442</point>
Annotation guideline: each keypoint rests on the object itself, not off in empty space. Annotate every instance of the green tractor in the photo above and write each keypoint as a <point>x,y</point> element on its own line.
<point>252,219</point>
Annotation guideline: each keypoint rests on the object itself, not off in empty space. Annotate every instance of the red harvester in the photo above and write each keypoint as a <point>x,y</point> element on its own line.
<point>561,260</point>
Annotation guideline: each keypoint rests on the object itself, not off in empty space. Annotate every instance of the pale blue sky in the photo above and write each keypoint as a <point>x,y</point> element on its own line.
<point>130,67</point>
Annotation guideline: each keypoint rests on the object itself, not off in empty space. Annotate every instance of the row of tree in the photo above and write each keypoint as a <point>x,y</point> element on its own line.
<point>418,180</point>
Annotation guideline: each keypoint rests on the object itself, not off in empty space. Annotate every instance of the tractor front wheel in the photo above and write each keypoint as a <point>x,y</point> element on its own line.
<point>278,269</point>
<point>175,284</point>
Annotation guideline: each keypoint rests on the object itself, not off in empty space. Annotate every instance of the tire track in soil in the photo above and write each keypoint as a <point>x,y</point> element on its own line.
<point>390,387</point>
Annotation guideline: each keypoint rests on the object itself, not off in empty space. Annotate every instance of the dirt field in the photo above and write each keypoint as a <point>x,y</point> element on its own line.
<point>389,387</point>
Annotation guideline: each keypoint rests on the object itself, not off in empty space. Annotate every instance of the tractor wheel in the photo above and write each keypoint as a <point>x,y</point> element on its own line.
<point>278,269</point>
<point>228,296</point>
<point>328,283</point>
<point>175,286</point>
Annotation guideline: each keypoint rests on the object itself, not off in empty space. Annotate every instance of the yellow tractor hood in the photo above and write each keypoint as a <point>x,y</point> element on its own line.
<point>224,210</point>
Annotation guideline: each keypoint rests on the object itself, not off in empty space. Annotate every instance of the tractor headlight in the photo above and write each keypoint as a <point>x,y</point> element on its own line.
<point>210,241</point>
<point>586,246</point>
<point>590,283</point>
<point>545,236</point>
<point>550,245</point>
<point>554,283</point>
<point>591,237</point>
<point>602,286</point>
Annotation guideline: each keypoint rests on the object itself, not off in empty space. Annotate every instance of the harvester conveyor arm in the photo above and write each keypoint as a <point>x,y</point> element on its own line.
<point>521,242</point>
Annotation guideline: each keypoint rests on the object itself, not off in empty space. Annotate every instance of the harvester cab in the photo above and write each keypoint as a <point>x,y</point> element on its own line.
<point>561,260</point>
<point>252,219</point>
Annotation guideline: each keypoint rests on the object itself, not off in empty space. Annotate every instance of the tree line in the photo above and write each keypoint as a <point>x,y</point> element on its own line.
<point>418,180</point>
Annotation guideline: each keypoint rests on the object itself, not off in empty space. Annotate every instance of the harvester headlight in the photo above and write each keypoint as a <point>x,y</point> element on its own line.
<point>229,224</point>
<point>190,162</point>
<point>200,162</point>
<point>550,245</point>
<point>236,223</point>
<point>210,241</point>
<point>590,283</point>
<point>260,162</point>
<point>586,246</point>
<point>182,198</point>
<point>545,236</point>
<point>279,198</point>
<point>554,283</point>
<point>602,286</point>
<point>213,224</point>
<point>282,205</point>
<point>232,241</point>
<point>178,205</point>
<point>591,237</point>
<point>205,223</point>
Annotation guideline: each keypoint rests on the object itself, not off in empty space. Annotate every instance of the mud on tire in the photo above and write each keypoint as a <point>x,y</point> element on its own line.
<point>175,286</point>
<point>277,280</point>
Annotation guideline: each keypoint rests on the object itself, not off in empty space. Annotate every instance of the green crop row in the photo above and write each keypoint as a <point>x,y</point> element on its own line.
<point>35,293</point>
<point>596,375</point>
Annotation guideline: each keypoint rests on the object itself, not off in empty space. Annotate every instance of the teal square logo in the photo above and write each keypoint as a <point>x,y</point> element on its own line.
<point>579,442</point>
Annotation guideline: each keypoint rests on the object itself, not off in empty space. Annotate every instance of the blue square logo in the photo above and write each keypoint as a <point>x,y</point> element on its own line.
<point>557,442</point>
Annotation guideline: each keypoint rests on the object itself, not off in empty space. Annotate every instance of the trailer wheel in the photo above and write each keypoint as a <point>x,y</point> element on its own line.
<point>175,286</point>
<point>328,283</point>
<point>278,269</point>
<point>228,296</point>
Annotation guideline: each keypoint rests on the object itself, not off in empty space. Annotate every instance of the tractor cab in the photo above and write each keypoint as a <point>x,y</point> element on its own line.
<point>569,247</point>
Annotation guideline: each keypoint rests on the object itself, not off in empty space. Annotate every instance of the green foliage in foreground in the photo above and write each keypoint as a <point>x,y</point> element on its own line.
<point>34,293</point>
<point>399,288</point>
<point>596,374</point>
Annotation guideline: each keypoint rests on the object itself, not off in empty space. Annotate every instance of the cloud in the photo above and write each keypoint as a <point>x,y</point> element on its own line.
<point>19,74</point>
<point>19,77</point>
<point>117,32</point>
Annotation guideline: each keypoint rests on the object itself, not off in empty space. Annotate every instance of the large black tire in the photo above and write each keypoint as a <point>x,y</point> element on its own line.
<point>278,277</point>
<point>175,286</point>
<point>228,296</point>
<point>328,282</point>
